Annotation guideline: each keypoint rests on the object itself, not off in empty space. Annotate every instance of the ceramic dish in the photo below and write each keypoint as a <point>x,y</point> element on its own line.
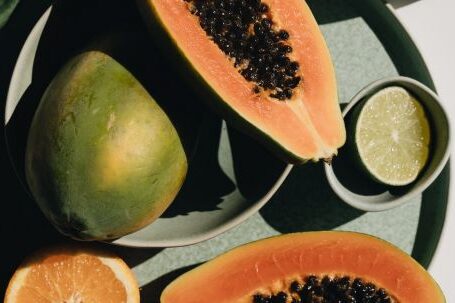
<point>381,197</point>
<point>230,176</point>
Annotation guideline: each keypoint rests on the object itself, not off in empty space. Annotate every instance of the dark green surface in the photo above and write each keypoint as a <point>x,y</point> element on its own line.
<point>6,9</point>
<point>303,203</point>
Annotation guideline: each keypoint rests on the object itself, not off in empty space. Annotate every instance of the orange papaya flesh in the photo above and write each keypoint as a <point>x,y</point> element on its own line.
<point>308,267</point>
<point>308,125</point>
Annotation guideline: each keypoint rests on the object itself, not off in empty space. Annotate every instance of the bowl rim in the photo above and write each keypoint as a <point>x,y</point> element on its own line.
<point>378,202</point>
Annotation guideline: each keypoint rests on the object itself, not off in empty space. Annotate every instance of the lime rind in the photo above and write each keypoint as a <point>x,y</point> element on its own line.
<point>392,136</point>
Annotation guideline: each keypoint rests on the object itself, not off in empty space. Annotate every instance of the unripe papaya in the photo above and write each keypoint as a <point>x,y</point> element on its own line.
<point>102,159</point>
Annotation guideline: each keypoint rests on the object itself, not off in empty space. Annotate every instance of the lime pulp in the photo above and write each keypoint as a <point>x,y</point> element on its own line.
<point>392,136</point>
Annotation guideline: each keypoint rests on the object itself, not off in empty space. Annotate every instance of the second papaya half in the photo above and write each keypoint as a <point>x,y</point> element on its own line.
<point>264,66</point>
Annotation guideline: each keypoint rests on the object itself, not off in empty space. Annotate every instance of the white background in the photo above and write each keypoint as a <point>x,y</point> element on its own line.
<point>431,23</point>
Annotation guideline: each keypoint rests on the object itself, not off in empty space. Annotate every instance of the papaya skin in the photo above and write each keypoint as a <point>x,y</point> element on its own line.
<point>102,159</point>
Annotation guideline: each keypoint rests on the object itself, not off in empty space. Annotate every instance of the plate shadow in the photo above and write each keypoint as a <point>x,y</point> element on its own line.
<point>152,291</point>
<point>251,160</point>
<point>330,11</point>
<point>23,227</point>
<point>206,183</point>
<point>306,202</point>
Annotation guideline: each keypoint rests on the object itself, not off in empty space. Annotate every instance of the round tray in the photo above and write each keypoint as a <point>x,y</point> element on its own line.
<point>367,42</point>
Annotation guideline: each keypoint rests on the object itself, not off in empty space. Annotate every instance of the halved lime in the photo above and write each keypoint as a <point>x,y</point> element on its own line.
<point>392,136</point>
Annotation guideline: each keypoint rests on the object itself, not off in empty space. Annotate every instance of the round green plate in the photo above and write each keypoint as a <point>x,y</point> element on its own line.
<point>367,42</point>
<point>230,176</point>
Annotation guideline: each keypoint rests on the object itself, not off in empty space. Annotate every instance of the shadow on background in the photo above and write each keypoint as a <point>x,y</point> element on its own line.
<point>197,193</point>
<point>330,11</point>
<point>152,291</point>
<point>256,169</point>
<point>23,227</point>
<point>400,3</point>
<point>131,255</point>
<point>306,202</point>
<point>432,216</point>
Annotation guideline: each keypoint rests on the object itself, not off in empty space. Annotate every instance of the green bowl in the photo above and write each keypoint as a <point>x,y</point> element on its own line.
<point>383,198</point>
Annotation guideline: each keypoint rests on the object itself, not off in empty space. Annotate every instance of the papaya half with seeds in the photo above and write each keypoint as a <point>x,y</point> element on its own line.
<point>264,65</point>
<point>308,267</point>
<point>102,158</point>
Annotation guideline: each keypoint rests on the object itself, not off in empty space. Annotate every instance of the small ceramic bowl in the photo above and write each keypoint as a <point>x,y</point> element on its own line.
<point>381,197</point>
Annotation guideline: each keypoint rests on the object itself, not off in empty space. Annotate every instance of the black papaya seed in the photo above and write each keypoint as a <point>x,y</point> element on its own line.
<point>326,289</point>
<point>244,31</point>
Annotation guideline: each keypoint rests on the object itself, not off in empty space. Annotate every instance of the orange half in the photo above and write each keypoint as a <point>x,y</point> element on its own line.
<point>73,275</point>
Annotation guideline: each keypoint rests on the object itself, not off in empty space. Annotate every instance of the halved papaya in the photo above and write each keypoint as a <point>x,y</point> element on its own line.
<point>265,65</point>
<point>308,267</point>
